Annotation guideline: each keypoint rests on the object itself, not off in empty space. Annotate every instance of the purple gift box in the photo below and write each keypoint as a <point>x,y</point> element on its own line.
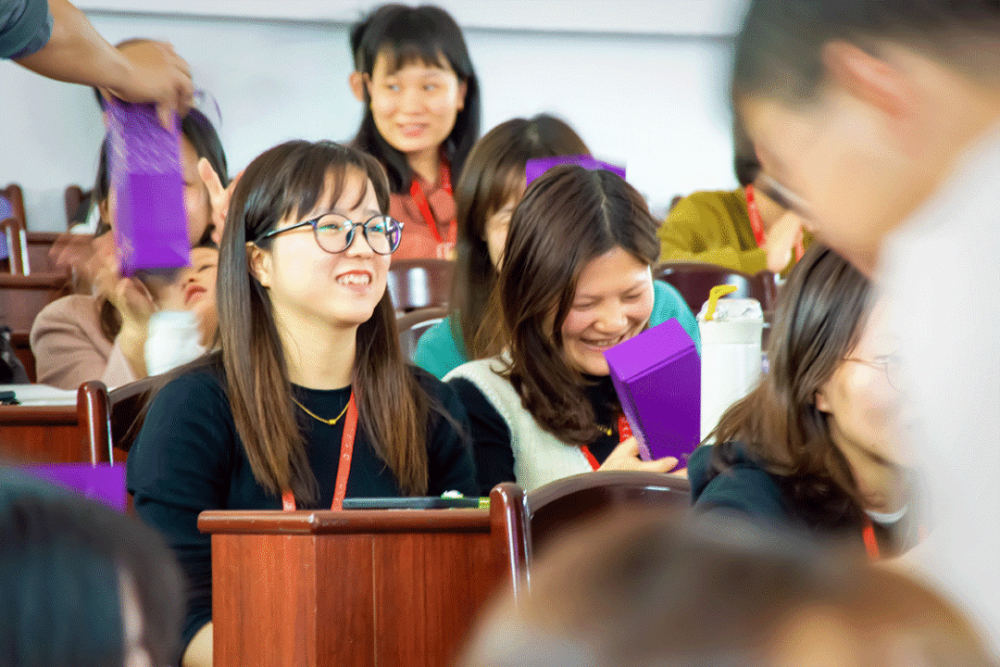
<point>103,482</point>
<point>145,162</point>
<point>657,376</point>
<point>535,167</point>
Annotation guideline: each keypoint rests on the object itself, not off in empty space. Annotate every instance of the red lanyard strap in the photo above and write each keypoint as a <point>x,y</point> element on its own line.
<point>871,543</point>
<point>757,223</point>
<point>624,433</point>
<point>417,194</point>
<point>343,467</point>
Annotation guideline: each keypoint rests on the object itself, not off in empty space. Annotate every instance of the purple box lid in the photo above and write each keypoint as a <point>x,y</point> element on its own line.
<point>102,482</point>
<point>535,167</point>
<point>657,376</point>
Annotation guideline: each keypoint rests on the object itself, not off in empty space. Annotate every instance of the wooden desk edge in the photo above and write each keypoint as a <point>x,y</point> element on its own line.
<point>317,522</point>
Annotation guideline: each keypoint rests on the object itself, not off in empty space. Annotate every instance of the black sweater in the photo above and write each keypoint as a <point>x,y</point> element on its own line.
<point>491,435</point>
<point>188,458</point>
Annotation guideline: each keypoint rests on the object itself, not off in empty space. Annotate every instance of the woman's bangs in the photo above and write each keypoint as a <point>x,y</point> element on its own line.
<point>400,54</point>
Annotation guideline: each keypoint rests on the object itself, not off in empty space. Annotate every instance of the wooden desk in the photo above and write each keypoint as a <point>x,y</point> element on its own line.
<point>78,433</point>
<point>23,297</point>
<point>383,588</point>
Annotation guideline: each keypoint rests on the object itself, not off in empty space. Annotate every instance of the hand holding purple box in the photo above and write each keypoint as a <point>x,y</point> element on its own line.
<point>145,162</point>
<point>657,376</point>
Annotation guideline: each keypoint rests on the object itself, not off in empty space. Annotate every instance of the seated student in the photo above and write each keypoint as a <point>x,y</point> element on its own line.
<point>308,347</point>
<point>81,584</point>
<point>491,185</point>
<point>421,116</point>
<point>103,337</point>
<point>810,444</point>
<point>575,280</point>
<point>750,229</point>
<point>650,591</point>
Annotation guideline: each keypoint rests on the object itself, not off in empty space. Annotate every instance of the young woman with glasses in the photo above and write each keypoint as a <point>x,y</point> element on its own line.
<point>815,443</point>
<point>310,372</point>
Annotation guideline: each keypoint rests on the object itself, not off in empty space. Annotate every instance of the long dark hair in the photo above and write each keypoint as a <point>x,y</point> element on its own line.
<point>568,217</point>
<point>493,174</point>
<point>392,408</point>
<point>197,129</point>
<point>415,34</point>
<point>779,50</point>
<point>819,320</point>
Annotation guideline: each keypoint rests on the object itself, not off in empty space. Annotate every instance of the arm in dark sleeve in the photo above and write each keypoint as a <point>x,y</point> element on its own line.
<point>178,467</point>
<point>448,452</point>
<point>490,437</point>
<point>25,27</point>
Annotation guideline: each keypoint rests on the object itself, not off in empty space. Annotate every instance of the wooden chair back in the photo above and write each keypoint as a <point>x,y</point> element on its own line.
<point>412,325</point>
<point>59,434</point>
<point>127,403</point>
<point>39,245</point>
<point>74,197</point>
<point>13,232</point>
<point>694,280</point>
<point>524,523</point>
<point>23,297</point>
<point>21,342</point>
<point>419,283</point>
<point>12,193</point>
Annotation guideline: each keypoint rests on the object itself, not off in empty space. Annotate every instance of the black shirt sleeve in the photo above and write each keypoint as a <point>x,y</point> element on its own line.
<point>449,454</point>
<point>179,466</point>
<point>490,437</point>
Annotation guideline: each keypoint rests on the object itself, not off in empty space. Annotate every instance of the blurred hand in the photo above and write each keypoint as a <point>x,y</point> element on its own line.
<point>626,457</point>
<point>782,237</point>
<point>132,299</point>
<point>156,74</point>
<point>83,255</point>
<point>218,196</point>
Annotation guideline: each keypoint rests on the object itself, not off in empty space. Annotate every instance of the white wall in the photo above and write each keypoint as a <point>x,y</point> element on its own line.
<point>652,99</point>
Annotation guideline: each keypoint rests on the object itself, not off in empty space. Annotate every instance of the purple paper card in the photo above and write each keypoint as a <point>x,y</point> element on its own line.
<point>145,161</point>
<point>535,167</point>
<point>657,376</point>
<point>103,482</point>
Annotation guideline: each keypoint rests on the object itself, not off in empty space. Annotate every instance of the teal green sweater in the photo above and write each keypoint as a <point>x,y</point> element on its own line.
<point>438,351</point>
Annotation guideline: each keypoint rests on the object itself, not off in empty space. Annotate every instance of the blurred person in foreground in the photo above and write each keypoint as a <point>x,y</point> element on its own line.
<point>881,122</point>
<point>648,591</point>
<point>81,584</point>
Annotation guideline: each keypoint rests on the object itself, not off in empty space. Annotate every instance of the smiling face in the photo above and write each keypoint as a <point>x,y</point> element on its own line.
<point>198,289</point>
<point>309,286</point>
<point>415,107</point>
<point>613,302</point>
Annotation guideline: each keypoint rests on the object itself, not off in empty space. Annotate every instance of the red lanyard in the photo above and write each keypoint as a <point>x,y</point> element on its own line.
<point>343,468</point>
<point>757,223</point>
<point>871,544</point>
<point>417,193</point>
<point>624,433</point>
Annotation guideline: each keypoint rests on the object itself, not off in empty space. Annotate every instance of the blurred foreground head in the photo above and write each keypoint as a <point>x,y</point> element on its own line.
<point>860,108</point>
<point>720,592</point>
<point>82,585</point>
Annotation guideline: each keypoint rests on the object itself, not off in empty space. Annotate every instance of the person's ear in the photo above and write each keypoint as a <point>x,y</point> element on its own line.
<point>820,399</point>
<point>463,88</point>
<point>259,261</point>
<point>357,82</point>
<point>869,78</point>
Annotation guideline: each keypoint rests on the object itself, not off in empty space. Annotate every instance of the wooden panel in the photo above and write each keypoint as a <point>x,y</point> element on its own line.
<point>20,341</point>
<point>23,297</point>
<point>429,588</point>
<point>271,606</point>
<point>348,521</point>
<point>39,244</point>
<point>50,434</point>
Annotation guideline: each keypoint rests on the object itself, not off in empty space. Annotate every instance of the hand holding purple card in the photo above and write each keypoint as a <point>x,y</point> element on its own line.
<point>145,158</point>
<point>657,376</point>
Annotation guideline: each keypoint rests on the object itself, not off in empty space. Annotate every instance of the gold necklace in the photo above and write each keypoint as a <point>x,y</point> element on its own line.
<point>328,422</point>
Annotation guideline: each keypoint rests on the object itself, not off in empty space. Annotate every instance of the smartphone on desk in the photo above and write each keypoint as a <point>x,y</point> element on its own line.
<point>412,503</point>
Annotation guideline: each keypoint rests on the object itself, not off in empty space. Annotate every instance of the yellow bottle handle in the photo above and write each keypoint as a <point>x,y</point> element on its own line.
<point>713,298</point>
